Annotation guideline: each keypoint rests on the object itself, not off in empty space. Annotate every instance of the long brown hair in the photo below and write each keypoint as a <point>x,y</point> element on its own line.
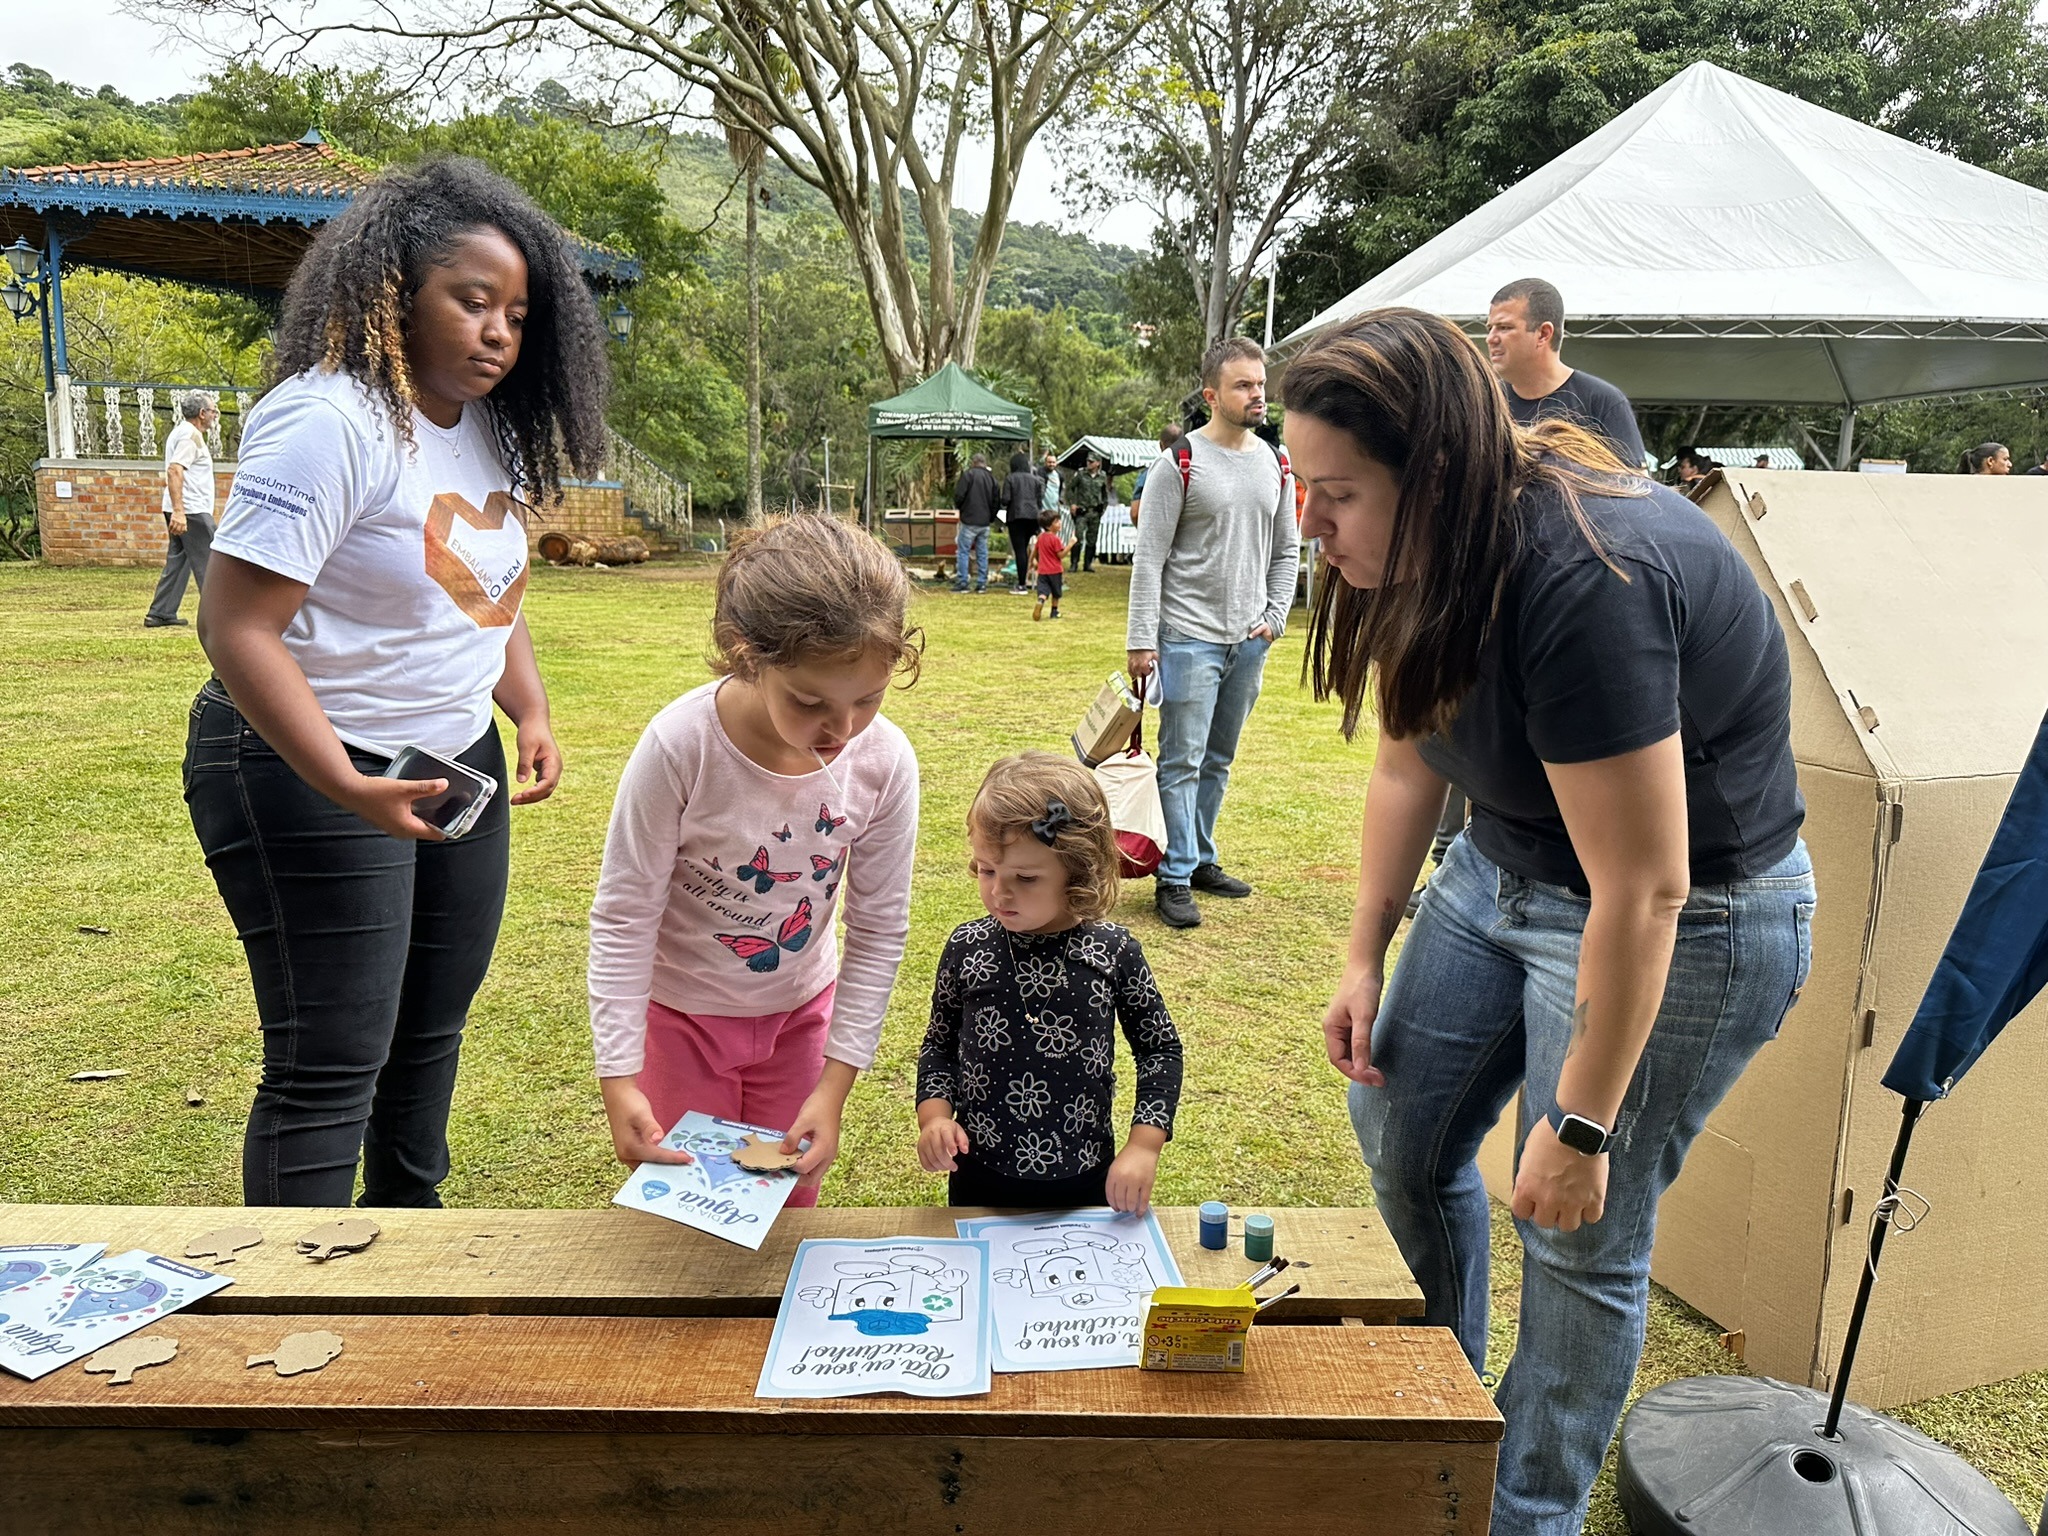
<point>1415,394</point>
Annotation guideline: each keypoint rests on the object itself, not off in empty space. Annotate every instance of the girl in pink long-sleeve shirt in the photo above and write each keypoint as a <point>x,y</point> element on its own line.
<point>748,807</point>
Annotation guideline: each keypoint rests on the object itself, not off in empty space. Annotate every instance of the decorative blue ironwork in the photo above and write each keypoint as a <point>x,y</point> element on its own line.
<point>84,192</point>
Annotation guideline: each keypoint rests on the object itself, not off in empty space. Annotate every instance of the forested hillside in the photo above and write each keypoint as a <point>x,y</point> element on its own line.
<point>1057,334</point>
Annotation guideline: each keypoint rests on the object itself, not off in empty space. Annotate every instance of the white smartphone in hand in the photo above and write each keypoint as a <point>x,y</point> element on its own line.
<point>456,809</point>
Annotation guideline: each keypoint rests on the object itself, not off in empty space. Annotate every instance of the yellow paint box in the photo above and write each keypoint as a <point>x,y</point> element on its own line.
<point>1194,1328</point>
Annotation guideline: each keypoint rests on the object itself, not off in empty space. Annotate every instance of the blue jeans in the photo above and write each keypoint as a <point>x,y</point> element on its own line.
<point>974,542</point>
<point>1481,1003</point>
<point>1205,693</point>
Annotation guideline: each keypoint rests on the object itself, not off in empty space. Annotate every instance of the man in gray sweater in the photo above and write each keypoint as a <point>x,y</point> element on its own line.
<point>1211,583</point>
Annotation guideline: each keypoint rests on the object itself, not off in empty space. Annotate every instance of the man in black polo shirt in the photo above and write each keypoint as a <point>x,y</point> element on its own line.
<point>1524,332</point>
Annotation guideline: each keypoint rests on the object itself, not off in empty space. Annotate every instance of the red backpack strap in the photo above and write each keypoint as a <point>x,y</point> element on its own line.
<point>1286,467</point>
<point>1183,456</point>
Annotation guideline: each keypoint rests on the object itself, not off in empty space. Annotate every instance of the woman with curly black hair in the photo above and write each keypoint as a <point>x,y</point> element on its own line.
<point>438,360</point>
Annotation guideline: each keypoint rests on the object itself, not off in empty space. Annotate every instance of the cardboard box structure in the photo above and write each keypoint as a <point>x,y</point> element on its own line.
<point>1915,608</point>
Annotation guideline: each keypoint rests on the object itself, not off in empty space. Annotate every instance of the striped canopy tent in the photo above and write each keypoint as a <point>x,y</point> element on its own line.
<point>236,221</point>
<point>1117,453</point>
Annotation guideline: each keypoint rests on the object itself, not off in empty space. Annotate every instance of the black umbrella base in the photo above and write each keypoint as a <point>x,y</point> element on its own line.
<point>1743,1456</point>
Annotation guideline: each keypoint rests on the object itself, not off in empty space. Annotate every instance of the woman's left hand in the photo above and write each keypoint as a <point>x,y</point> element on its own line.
<point>539,760</point>
<point>1557,1187</point>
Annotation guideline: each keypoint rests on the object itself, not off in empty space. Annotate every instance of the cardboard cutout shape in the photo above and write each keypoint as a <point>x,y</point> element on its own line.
<point>130,1355</point>
<point>351,1234</point>
<point>223,1243</point>
<point>298,1353</point>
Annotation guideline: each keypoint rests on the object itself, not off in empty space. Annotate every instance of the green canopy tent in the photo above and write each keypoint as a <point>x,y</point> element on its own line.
<point>947,405</point>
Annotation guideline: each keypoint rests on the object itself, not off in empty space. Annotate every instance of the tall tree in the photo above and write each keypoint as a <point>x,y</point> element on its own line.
<point>1227,118</point>
<point>884,93</point>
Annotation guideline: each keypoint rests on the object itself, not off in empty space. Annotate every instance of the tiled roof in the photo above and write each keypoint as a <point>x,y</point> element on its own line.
<point>300,167</point>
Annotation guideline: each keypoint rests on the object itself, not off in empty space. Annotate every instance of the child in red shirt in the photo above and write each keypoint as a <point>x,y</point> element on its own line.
<point>1048,558</point>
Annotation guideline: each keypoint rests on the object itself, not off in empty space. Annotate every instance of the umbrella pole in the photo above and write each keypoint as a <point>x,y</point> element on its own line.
<point>1878,1229</point>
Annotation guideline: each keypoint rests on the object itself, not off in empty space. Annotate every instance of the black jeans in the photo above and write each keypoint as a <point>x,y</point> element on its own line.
<point>976,1185</point>
<point>365,951</point>
<point>1022,532</point>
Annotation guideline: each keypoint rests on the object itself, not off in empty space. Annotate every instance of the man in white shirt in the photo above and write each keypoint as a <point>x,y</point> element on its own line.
<point>188,507</point>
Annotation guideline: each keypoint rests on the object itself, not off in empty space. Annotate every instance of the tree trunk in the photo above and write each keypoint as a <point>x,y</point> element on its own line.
<point>754,338</point>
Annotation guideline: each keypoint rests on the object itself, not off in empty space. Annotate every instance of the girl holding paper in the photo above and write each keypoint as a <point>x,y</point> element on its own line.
<point>748,805</point>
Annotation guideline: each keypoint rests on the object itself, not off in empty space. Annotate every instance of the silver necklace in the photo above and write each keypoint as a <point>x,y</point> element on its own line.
<point>1010,949</point>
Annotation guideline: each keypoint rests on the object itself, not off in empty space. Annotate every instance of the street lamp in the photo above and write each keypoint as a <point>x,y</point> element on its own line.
<point>24,261</point>
<point>619,322</point>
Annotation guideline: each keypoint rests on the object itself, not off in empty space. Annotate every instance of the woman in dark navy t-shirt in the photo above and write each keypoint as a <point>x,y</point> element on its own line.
<point>1628,917</point>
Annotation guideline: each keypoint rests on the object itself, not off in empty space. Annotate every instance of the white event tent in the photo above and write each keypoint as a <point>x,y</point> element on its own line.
<point>1724,243</point>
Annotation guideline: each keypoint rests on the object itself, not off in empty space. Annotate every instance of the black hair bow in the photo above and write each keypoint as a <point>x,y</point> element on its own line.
<point>1057,818</point>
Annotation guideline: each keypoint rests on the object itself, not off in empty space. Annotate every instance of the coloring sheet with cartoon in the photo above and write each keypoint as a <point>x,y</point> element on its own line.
<point>60,1317</point>
<point>907,1314</point>
<point>713,1193</point>
<point>1068,1289</point>
<point>24,1263</point>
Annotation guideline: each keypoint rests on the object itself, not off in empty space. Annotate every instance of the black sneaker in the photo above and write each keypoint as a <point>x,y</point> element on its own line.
<point>1210,878</point>
<point>1176,904</point>
<point>166,623</point>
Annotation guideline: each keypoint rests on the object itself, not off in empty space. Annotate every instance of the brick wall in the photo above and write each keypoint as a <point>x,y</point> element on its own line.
<point>587,506</point>
<point>114,512</point>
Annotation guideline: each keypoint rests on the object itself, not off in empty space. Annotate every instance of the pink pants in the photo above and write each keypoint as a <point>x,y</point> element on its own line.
<point>758,1069</point>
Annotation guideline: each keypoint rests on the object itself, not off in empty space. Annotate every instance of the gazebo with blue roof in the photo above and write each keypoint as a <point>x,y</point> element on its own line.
<point>235,220</point>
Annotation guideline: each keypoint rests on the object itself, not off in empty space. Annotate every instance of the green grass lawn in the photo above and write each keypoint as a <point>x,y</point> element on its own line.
<point>93,834</point>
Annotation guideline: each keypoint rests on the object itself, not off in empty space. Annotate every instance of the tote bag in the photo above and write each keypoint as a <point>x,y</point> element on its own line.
<point>1130,783</point>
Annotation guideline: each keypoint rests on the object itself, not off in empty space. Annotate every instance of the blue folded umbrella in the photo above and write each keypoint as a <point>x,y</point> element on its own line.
<point>1997,957</point>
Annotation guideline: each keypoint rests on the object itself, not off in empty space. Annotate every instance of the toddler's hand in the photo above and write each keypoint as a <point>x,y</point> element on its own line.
<point>939,1143</point>
<point>1131,1177</point>
<point>636,1134</point>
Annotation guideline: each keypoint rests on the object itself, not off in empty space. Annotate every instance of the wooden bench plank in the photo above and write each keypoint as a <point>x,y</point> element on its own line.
<point>88,1482</point>
<point>696,1376</point>
<point>617,1262</point>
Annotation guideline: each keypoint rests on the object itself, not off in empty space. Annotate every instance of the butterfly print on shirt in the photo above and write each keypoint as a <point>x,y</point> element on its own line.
<point>764,954</point>
<point>823,868</point>
<point>784,835</point>
<point>827,822</point>
<point>764,878</point>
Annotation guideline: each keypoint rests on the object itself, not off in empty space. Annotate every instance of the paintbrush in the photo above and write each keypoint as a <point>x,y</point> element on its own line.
<point>1266,1301</point>
<point>1264,1273</point>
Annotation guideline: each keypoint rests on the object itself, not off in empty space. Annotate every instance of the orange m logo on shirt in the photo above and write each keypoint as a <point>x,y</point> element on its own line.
<point>479,558</point>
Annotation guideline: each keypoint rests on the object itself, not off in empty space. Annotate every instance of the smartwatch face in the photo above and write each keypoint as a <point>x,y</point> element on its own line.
<point>1582,1135</point>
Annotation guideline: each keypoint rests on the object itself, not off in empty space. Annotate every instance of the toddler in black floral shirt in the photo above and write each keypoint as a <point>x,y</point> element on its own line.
<point>1017,1075</point>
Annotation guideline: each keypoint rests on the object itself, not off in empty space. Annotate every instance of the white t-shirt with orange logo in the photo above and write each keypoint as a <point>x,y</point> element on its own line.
<point>415,558</point>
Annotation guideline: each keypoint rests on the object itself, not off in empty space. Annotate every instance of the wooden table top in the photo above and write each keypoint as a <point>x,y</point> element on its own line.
<point>614,1262</point>
<point>629,1375</point>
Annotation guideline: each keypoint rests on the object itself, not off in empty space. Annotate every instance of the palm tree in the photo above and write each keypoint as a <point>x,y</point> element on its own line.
<point>746,140</point>
<point>743,141</point>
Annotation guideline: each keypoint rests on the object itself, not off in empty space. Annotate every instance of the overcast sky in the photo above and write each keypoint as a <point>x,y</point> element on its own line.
<point>90,43</point>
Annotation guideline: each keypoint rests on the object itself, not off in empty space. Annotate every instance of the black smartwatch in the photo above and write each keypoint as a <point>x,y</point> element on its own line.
<point>1580,1134</point>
